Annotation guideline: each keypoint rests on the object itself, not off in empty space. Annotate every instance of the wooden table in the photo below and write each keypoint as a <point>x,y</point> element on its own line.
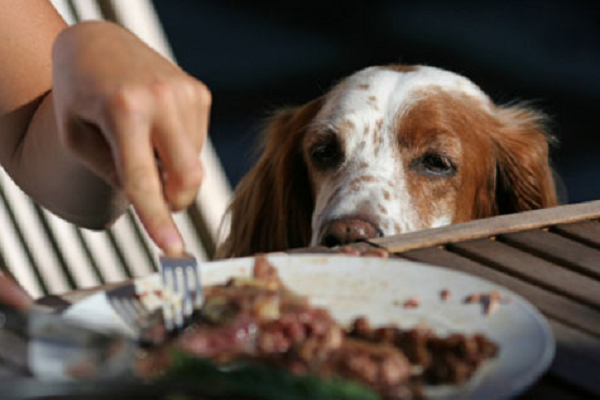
<point>552,258</point>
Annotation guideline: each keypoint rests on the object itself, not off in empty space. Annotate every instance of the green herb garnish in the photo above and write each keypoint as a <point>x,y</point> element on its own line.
<point>263,382</point>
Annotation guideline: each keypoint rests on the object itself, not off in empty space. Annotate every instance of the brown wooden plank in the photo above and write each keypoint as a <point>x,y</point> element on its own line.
<point>557,249</point>
<point>577,357</point>
<point>587,232</point>
<point>551,304</point>
<point>490,226</point>
<point>532,269</point>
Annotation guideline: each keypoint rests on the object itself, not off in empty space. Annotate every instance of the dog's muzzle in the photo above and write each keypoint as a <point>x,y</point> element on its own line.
<point>343,231</point>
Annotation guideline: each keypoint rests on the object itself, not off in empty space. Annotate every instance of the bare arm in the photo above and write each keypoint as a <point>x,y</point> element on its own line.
<point>29,147</point>
<point>84,109</point>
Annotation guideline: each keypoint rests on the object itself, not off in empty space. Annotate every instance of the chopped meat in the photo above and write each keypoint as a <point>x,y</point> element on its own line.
<point>445,295</point>
<point>264,271</point>
<point>490,301</point>
<point>413,302</point>
<point>379,365</point>
<point>444,360</point>
<point>473,298</point>
<point>260,319</point>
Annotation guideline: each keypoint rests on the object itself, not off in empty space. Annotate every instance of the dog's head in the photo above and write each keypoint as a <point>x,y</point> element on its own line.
<point>389,150</point>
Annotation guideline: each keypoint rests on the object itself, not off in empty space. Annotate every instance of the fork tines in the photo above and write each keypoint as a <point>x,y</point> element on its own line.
<point>131,310</point>
<point>182,290</point>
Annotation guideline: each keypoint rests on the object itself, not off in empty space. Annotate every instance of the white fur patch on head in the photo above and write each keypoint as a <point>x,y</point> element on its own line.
<point>364,109</point>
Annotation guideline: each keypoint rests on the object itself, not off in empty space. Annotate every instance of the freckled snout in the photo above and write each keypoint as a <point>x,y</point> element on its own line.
<point>348,230</point>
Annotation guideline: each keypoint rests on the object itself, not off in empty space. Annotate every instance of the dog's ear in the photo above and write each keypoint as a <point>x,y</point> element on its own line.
<point>272,205</point>
<point>524,179</point>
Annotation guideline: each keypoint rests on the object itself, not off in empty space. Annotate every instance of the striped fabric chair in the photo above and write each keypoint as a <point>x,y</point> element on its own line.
<point>48,255</point>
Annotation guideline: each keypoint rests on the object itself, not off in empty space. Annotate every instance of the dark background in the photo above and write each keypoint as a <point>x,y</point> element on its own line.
<point>259,56</point>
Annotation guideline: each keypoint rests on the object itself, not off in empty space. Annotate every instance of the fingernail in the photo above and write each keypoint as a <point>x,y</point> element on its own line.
<point>170,241</point>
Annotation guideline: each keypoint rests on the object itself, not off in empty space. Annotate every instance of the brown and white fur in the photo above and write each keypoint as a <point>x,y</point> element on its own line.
<point>389,150</point>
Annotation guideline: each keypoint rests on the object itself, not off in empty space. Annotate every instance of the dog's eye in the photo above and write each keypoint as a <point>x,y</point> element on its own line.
<point>326,154</point>
<point>434,164</point>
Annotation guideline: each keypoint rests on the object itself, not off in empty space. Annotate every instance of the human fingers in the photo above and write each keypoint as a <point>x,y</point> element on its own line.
<point>202,112</point>
<point>139,178</point>
<point>199,108</point>
<point>194,101</point>
<point>178,153</point>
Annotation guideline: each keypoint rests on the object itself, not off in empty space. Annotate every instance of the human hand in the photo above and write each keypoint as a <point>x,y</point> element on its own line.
<point>118,105</point>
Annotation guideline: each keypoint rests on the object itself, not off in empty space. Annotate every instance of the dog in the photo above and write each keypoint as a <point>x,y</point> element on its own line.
<point>388,150</point>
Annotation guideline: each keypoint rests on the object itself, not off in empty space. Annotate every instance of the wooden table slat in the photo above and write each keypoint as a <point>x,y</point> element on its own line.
<point>491,226</point>
<point>531,268</point>
<point>587,232</point>
<point>557,249</point>
<point>551,304</point>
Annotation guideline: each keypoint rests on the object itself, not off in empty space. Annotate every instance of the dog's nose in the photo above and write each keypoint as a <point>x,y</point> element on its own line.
<point>348,230</point>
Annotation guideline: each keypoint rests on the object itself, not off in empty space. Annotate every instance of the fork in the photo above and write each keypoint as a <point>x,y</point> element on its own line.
<point>131,310</point>
<point>182,290</point>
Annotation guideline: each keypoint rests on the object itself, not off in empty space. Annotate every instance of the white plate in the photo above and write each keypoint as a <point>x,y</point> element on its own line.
<point>377,288</point>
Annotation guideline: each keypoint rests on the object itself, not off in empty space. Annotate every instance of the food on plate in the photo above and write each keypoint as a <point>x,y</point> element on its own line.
<point>412,302</point>
<point>259,321</point>
<point>490,301</point>
<point>445,294</point>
